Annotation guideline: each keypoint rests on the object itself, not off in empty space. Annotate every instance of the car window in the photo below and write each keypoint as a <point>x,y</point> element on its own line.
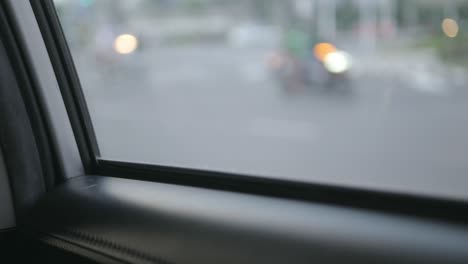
<point>369,94</point>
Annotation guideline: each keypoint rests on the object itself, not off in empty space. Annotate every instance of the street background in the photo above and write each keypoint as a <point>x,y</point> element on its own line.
<point>197,91</point>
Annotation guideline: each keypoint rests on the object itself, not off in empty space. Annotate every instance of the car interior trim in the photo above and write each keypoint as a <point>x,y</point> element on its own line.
<point>7,217</point>
<point>393,202</point>
<point>143,222</point>
<point>18,138</point>
<point>48,92</point>
<point>68,80</point>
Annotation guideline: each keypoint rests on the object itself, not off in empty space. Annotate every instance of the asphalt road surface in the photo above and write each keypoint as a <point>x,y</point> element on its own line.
<point>401,125</point>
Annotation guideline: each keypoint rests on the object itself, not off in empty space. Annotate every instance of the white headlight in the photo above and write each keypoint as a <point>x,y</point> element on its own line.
<point>337,62</point>
<point>125,44</point>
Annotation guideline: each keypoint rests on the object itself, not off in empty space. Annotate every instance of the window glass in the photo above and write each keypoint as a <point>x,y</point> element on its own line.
<point>370,94</point>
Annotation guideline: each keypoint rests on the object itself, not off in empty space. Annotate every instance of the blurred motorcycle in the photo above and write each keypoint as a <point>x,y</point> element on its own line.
<point>324,67</point>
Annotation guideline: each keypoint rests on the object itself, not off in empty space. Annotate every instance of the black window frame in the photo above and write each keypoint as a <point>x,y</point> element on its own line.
<point>61,58</point>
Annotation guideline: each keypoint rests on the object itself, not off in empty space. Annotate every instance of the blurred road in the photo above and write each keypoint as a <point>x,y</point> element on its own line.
<point>403,127</point>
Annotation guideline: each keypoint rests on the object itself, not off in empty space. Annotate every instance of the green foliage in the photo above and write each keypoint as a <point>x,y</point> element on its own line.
<point>451,50</point>
<point>194,6</point>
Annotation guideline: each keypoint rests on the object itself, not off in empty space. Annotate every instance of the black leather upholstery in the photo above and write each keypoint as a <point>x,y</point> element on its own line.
<point>143,222</point>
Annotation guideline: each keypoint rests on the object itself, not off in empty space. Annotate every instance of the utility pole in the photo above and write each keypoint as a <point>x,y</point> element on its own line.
<point>388,16</point>
<point>325,17</point>
<point>313,21</point>
<point>451,10</point>
<point>367,24</point>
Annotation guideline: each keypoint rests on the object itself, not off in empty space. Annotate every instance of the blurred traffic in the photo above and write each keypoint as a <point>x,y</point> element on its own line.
<point>360,92</point>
